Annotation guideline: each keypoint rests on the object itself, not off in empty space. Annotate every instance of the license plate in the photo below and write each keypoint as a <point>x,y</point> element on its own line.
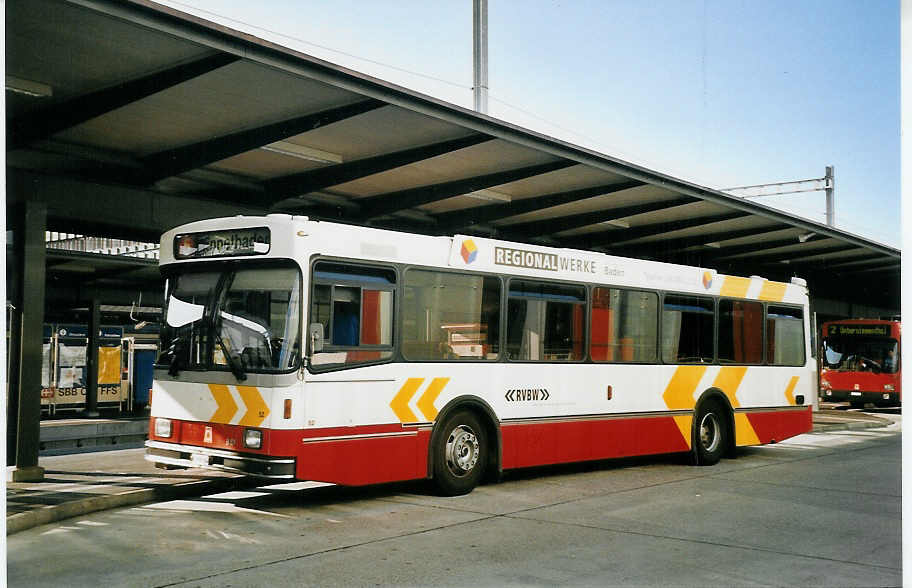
<point>855,393</point>
<point>199,459</point>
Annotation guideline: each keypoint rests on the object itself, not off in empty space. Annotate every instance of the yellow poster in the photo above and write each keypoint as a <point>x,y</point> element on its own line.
<point>109,365</point>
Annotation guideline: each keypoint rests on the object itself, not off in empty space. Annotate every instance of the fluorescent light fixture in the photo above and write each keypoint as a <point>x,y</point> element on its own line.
<point>621,224</point>
<point>28,87</point>
<point>804,238</point>
<point>714,245</point>
<point>302,152</point>
<point>490,195</point>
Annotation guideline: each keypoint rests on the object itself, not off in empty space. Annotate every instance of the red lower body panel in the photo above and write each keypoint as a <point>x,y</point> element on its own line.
<point>774,426</point>
<point>543,443</point>
<point>358,456</point>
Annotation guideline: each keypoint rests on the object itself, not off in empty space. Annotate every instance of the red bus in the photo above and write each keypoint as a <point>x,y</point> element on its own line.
<point>860,362</point>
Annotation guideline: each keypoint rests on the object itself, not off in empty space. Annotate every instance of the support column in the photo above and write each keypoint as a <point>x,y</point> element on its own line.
<point>830,187</point>
<point>91,409</point>
<point>480,54</point>
<point>30,265</point>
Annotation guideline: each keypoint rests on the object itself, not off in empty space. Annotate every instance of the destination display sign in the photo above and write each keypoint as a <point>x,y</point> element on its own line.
<point>223,243</point>
<point>859,331</point>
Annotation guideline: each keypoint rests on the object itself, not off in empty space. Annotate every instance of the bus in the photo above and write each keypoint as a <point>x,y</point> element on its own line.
<point>860,362</point>
<point>302,349</point>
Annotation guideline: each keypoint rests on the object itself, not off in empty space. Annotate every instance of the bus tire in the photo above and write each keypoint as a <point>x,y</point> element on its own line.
<point>710,434</point>
<point>460,454</point>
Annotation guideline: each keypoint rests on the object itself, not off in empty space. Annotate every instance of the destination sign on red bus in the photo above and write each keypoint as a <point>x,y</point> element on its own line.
<point>229,242</point>
<point>859,331</point>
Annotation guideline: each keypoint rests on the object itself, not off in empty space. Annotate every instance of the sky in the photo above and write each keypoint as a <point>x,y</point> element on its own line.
<point>721,93</point>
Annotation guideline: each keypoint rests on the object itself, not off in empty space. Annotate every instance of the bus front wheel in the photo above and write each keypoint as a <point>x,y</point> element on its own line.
<point>711,434</point>
<point>460,454</point>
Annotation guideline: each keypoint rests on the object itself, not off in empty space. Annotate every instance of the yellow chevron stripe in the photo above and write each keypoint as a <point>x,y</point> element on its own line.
<point>790,390</point>
<point>679,394</point>
<point>728,380</point>
<point>400,401</point>
<point>735,287</point>
<point>744,431</point>
<point>772,291</point>
<point>426,403</point>
<point>227,407</point>
<point>257,410</point>
<point>684,425</point>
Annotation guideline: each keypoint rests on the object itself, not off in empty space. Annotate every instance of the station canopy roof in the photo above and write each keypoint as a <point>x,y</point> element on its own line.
<point>129,118</point>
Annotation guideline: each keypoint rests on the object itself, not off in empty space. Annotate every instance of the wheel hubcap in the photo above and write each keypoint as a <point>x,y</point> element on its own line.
<point>462,450</point>
<point>710,435</point>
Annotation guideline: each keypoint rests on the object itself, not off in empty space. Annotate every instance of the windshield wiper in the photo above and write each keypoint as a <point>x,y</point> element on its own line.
<point>174,351</point>
<point>234,362</point>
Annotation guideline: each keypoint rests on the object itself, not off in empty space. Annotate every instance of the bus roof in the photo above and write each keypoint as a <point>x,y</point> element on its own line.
<point>299,237</point>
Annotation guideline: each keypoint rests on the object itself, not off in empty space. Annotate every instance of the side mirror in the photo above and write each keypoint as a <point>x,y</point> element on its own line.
<point>316,337</point>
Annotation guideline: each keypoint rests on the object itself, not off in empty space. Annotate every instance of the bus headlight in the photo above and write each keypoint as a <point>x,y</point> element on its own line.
<point>253,438</point>
<point>889,387</point>
<point>162,427</point>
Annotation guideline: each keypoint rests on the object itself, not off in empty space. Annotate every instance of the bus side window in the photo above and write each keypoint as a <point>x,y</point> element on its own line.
<point>624,326</point>
<point>355,307</point>
<point>784,335</point>
<point>687,329</point>
<point>545,321</point>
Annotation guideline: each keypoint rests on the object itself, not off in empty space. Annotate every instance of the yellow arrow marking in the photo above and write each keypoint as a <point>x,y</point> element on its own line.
<point>226,405</point>
<point>774,291</point>
<point>735,287</point>
<point>257,411</point>
<point>401,399</point>
<point>680,390</point>
<point>426,402</point>
<point>744,431</point>
<point>684,425</point>
<point>790,391</point>
<point>728,380</point>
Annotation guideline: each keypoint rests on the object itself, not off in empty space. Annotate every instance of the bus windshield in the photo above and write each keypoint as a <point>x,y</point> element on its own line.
<point>855,354</point>
<point>244,320</point>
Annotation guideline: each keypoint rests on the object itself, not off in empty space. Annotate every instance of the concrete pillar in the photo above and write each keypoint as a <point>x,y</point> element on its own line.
<point>30,248</point>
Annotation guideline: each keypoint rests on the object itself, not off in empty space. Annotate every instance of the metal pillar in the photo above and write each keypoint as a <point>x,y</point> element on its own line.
<point>30,248</point>
<point>480,54</point>
<point>830,182</point>
<point>91,409</point>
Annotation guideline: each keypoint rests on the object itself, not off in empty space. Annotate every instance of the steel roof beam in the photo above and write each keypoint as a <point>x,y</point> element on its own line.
<point>841,263</point>
<point>67,114</point>
<point>451,222</point>
<point>576,221</point>
<point>725,253</point>
<point>678,243</point>
<point>325,177</point>
<point>384,204</point>
<point>867,260</point>
<point>624,236</point>
<point>797,256</point>
<point>176,161</point>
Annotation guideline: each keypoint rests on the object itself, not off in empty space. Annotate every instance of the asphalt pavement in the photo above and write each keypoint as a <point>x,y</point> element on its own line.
<point>81,483</point>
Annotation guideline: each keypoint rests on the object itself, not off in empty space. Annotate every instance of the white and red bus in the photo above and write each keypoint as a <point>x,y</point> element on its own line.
<point>860,362</point>
<point>300,349</point>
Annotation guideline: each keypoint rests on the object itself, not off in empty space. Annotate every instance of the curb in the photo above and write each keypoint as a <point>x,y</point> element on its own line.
<point>58,512</point>
<point>852,426</point>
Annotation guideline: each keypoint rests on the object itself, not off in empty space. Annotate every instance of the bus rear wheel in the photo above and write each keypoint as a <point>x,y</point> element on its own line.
<point>460,454</point>
<point>711,434</point>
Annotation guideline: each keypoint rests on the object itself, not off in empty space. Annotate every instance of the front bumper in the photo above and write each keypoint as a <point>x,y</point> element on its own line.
<point>857,396</point>
<point>189,456</point>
